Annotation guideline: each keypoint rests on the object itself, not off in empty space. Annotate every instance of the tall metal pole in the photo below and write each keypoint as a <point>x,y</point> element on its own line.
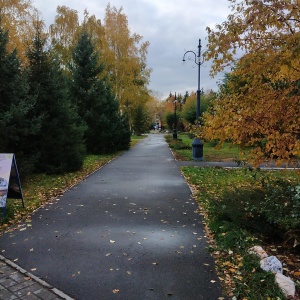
<point>198,113</point>
<point>175,119</point>
<point>197,144</point>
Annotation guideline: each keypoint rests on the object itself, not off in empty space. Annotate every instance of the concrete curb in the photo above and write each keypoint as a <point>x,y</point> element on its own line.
<point>41,282</point>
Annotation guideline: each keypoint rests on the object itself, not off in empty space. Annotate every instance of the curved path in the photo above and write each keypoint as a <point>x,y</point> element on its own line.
<point>129,231</point>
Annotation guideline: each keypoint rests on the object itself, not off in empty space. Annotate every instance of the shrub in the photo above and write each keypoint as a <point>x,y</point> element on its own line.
<point>281,204</point>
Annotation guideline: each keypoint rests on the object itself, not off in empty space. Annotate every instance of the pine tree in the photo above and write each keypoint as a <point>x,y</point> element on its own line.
<point>59,144</point>
<point>96,104</point>
<point>15,126</point>
<point>140,120</point>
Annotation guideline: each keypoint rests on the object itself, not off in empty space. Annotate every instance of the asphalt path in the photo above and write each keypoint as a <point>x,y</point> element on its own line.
<point>129,231</point>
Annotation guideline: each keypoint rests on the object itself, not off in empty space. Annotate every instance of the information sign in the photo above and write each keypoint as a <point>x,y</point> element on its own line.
<point>10,186</point>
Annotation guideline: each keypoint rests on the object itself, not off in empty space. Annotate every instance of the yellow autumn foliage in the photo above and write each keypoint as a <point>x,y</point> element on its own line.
<point>259,103</point>
<point>19,17</point>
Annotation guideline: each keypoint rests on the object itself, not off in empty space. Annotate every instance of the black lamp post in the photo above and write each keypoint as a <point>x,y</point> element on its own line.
<point>197,143</point>
<point>175,120</point>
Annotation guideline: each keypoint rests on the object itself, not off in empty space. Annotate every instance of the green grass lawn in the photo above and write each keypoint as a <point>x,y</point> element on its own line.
<point>183,150</point>
<point>243,208</point>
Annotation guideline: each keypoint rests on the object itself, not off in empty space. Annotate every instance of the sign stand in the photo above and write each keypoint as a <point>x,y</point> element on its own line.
<point>10,185</point>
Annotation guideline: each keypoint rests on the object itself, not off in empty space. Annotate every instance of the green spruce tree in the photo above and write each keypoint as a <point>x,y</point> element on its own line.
<point>59,144</point>
<point>140,120</point>
<point>16,105</point>
<point>107,130</point>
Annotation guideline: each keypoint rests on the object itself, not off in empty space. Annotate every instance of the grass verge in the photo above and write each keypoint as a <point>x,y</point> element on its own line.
<point>182,148</point>
<point>243,208</point>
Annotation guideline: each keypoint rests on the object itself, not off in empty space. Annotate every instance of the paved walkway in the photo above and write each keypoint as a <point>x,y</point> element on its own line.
<point>17,283</point>
<point>129,231</point>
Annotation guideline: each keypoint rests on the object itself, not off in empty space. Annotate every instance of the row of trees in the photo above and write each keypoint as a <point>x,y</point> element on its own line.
<point>259,101</point>
<point>257,104</point>
<point>124,53</point>
<point>185,109</point>
<point>58,98</point>
<point>49,119</point>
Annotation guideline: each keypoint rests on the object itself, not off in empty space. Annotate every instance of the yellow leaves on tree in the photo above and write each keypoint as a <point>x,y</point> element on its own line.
<point>19,18</point>
<point>125,58</point>
<point>124,54</point>
<point>258,104</point>
<point>64,31</point>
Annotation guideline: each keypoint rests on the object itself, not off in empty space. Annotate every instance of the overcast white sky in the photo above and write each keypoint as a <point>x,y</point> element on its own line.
<point>171,27</point>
